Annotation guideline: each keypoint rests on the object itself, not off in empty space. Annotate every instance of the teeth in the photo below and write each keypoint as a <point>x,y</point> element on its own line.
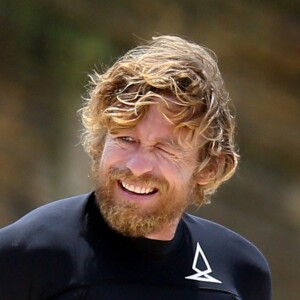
<point>137,190</point>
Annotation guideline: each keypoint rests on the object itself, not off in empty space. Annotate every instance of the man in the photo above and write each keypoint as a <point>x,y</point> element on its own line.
<point>160,134</point>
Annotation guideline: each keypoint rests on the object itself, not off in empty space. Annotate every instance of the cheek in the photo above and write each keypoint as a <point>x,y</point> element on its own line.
<point>111,155</point>
<point>176,173</point>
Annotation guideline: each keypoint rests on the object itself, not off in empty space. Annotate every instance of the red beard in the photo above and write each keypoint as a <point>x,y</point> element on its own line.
<point>132,219</point>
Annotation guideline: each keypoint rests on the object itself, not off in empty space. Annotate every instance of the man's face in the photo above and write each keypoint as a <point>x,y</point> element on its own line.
<point>145,176</point>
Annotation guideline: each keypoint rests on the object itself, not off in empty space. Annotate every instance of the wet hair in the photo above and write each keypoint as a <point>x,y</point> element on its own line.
<point>120,96</point>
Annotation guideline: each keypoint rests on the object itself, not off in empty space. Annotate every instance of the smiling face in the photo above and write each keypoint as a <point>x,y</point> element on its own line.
<point>146,176</point>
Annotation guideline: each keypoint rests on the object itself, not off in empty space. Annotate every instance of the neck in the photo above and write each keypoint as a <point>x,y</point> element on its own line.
<point>166,233</point>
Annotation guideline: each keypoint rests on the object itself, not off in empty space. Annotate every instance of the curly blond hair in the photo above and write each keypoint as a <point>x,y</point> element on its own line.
<point>120,97</point>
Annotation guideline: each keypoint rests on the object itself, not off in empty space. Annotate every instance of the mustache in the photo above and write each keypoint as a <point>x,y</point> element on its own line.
<point>146,179</point>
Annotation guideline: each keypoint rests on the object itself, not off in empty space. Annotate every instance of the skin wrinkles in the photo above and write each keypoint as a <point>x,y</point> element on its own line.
<point>184,77</point>
<point>150,155</point>
<point>165,148</point>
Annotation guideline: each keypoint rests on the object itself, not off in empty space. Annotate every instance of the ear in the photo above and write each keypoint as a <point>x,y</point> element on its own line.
<point>205,175</point>
<point>208,173</point>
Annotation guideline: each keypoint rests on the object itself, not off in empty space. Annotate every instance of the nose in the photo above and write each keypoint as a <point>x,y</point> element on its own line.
<point>140,163</point>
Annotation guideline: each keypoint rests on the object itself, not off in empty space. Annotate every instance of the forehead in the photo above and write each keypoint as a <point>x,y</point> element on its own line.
<point>158,124</point>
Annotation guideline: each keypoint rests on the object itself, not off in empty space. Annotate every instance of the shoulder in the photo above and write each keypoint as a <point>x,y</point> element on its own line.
<point>239,261</point>
<point>45,224</point>
<point>39,242</point>
<point>48,218</point>
<point>218,234</point>
<point>51,224</point>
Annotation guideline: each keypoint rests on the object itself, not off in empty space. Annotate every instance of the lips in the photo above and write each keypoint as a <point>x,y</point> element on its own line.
<point>140,190</point>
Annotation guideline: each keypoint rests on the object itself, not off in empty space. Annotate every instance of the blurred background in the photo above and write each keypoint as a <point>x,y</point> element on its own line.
<point>49,47</point>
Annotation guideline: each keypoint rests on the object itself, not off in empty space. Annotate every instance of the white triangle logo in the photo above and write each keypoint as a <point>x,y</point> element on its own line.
<point>202,275</point>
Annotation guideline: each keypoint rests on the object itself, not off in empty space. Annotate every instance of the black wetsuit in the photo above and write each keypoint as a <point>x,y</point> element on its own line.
<point>65,250</point>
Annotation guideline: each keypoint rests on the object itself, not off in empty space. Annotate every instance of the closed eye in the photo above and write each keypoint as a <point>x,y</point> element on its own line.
<point>167,152</point>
